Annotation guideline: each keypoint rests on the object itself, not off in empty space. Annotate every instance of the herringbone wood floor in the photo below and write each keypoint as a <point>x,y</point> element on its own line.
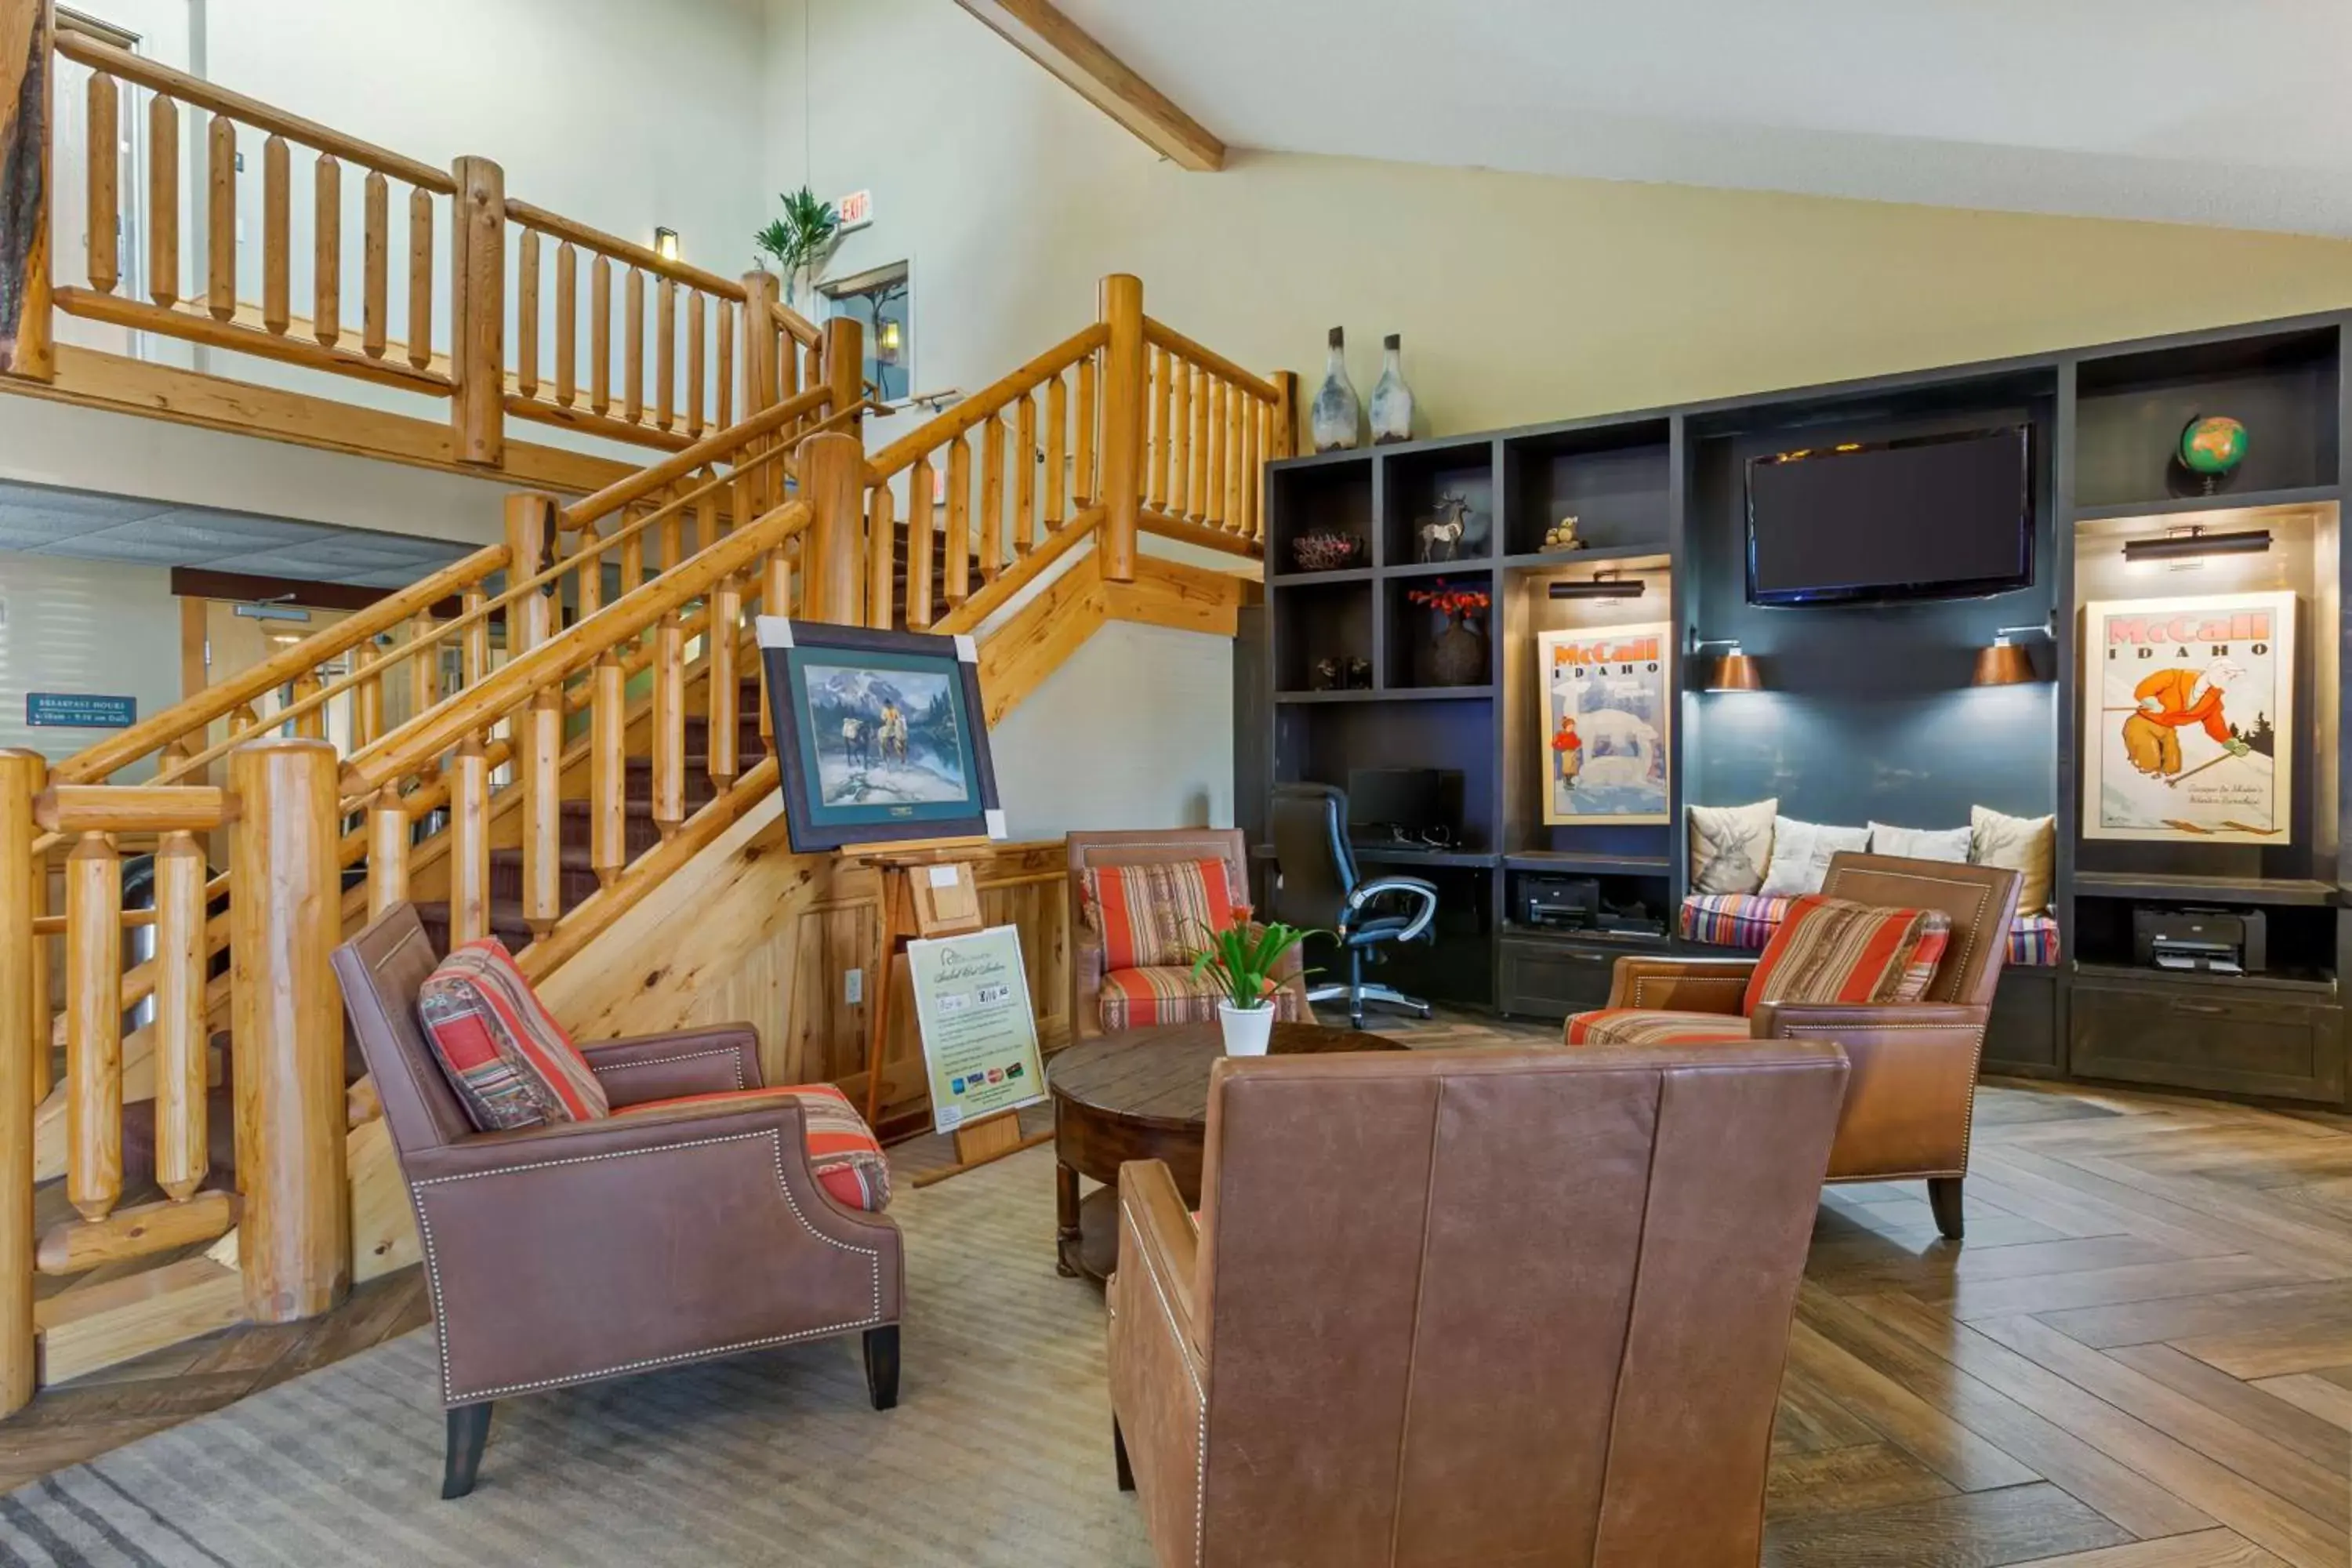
<point>2141,1358</point>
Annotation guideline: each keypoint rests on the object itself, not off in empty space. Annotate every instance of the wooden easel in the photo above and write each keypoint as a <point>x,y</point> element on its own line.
<point>929,889</point>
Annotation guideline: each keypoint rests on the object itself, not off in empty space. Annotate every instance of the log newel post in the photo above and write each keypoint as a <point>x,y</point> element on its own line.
<point>28,239</point>
<point>845,370</point>
<point>478,283</point>
<point>295,1244</point>
<point>832,467</point>
<point>23,1041</point>
<point>1124,369</point>
<point>1285,413</point>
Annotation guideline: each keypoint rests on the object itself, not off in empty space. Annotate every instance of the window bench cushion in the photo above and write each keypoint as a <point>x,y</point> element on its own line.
<point>1746,920</point>
<point>843,1151</point>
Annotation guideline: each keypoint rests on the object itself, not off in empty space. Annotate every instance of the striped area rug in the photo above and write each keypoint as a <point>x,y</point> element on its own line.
<point>998,1454</point>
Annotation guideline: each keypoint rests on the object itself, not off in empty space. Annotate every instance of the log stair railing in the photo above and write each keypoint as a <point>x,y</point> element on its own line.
<point>531,740</point>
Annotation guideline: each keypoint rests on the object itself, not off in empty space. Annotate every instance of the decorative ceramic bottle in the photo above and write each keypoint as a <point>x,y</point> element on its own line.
<point>1335,417</point>
<point>1391,399</point>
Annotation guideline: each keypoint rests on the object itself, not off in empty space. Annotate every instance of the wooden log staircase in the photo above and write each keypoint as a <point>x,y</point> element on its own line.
<point>558,740</point>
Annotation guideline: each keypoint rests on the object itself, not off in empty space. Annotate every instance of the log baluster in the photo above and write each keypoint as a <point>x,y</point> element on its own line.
<point>469,842</point>
<point>220,221</point>
<point>1252,473</point>
<point>669,725</point>
<point>958,576</point>
<point>1082,482</point>
<point>277,235</point>
<point>666,354</point>
<point>991,499</point>
<point>1057,420</point>
<point>375,262</point>
<point>1179,439</point>
<point>608,720</point>
<point>104,194</point>
<point>311,722</point>
<point>694,327</point>
<point>423,664</point>
<point>387,851</point>
<point>24,1054</point>
<point>1197,485</point>
<point>326,251</point>
<point>726,630</point>
<point>474,604</point>
<point>93,1025</point>
<point>881,559</point>
<point>1162,407</point>
<point>723,378</point>
<point>633,562</point>
<point>633,349</point>
<point>45,1011</point>
<point>527,313</point>
<point>367,696</point>
<point>922,524</point>
<point>420,279</point>
<point>181,1140</point>
<point>163,200</point>
<point>1025,474</point>
<point>600,335</point>
<point>1229,456</point>
<point>589,575</point>
<point>567,325</point>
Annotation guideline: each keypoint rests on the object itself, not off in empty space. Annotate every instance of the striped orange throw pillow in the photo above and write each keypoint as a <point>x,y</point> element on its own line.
<point>1157,915</point>
<point>508,1059</point>
<point>1830,950</point>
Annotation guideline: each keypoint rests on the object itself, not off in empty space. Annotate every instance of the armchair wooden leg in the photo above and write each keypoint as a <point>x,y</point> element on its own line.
<point>1944,1197</point>
<point>882,1366</point>
<point>1119,1456</point>
<point>469,1428</point>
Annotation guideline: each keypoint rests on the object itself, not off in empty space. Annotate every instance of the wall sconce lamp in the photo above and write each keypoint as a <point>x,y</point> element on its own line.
<point>2196,543</point>
<point>2003,663</point>
<point>890,337</point>
<point>1735,672</point>
<point>666,244</point>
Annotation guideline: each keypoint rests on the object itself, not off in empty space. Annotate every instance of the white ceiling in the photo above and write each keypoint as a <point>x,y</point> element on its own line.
<point>41,519</point>
<point>2208,112</point>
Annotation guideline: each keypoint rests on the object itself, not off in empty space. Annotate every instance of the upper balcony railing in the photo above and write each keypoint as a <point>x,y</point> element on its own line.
<point>364,264</point>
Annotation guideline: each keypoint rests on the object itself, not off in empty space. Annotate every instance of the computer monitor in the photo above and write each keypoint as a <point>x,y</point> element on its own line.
<point>1388,802</point>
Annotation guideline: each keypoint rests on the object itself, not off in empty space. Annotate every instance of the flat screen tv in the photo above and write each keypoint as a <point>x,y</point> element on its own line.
<point>1931,517</point>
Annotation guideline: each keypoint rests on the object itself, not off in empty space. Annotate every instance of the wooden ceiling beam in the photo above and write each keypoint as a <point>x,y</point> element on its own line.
<point>1065,48</point>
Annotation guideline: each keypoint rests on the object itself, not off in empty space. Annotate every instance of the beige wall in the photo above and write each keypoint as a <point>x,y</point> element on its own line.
<point>87,628</point>
<point>1520,298</point>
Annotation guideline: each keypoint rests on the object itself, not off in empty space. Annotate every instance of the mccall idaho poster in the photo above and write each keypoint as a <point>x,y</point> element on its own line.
<point>1606,697</point>
<point>2187,719</point>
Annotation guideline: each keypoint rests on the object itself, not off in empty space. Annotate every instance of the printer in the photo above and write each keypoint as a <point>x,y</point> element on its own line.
<point>2211,942</point>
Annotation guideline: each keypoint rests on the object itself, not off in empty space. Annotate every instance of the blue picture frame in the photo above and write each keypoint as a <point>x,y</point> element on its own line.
<point>880,735</point>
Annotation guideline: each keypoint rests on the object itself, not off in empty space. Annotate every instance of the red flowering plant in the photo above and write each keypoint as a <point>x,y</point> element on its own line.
<point>1452,602</point>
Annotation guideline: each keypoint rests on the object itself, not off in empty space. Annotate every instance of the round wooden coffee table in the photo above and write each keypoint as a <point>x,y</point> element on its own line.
<point>1144,1095</point>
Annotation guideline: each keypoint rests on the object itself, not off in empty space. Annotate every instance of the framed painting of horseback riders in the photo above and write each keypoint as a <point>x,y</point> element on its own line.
<point>1608,705</point>
<point>2189,719</point>
<point>880,735</point>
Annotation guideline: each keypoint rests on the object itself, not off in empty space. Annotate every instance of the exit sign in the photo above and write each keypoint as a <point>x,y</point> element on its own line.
<point>854,210</point>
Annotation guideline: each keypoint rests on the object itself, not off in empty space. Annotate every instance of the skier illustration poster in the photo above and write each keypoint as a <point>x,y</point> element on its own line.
<point>2187,719</point>
<point>1607,696</point>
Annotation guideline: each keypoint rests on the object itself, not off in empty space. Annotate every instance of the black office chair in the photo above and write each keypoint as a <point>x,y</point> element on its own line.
<point>1315,884</point>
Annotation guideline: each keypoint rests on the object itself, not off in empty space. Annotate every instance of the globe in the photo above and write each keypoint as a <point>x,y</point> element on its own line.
<point>2212,445</point>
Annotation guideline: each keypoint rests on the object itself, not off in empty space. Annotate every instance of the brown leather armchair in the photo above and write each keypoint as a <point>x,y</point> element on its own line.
<point>1909,1107</point>
<point>1144,848</point>
<point>1407,1333</point>
<point>574,1252</point>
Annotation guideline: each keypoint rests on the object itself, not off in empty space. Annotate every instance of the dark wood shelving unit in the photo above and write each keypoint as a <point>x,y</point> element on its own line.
<point>1662,491</point>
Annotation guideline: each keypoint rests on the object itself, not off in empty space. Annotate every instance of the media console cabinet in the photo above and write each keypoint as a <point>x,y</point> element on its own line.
<point>1865,712</point>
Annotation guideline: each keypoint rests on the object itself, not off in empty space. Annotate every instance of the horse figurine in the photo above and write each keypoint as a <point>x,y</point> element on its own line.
<point>1440,536</point>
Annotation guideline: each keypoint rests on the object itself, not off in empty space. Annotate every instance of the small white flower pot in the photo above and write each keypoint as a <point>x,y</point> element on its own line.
<point>1247,1030</point>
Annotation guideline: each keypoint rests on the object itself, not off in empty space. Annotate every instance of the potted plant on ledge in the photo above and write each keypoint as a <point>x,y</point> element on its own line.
<point>1243,959</point>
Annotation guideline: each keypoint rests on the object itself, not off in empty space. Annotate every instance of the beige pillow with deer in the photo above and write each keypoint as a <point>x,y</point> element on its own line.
<point>1730,845</point>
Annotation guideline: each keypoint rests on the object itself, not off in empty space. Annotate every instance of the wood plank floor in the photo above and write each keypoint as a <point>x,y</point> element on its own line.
<point>2141,1357</point>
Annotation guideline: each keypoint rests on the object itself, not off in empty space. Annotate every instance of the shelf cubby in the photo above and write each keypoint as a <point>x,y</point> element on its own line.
<point>1332,493</point>
<point>2131,406</point>
<point>1315,621</point>
<point>1411,630</point>
<point>1413,481</point>
<point>1616,480</point>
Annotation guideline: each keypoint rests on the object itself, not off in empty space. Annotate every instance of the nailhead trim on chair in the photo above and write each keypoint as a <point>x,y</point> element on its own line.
<point>1975,1060</point>
<point>776,1148</point>
<point>1199,1399</point>
<point>680,1056</point>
